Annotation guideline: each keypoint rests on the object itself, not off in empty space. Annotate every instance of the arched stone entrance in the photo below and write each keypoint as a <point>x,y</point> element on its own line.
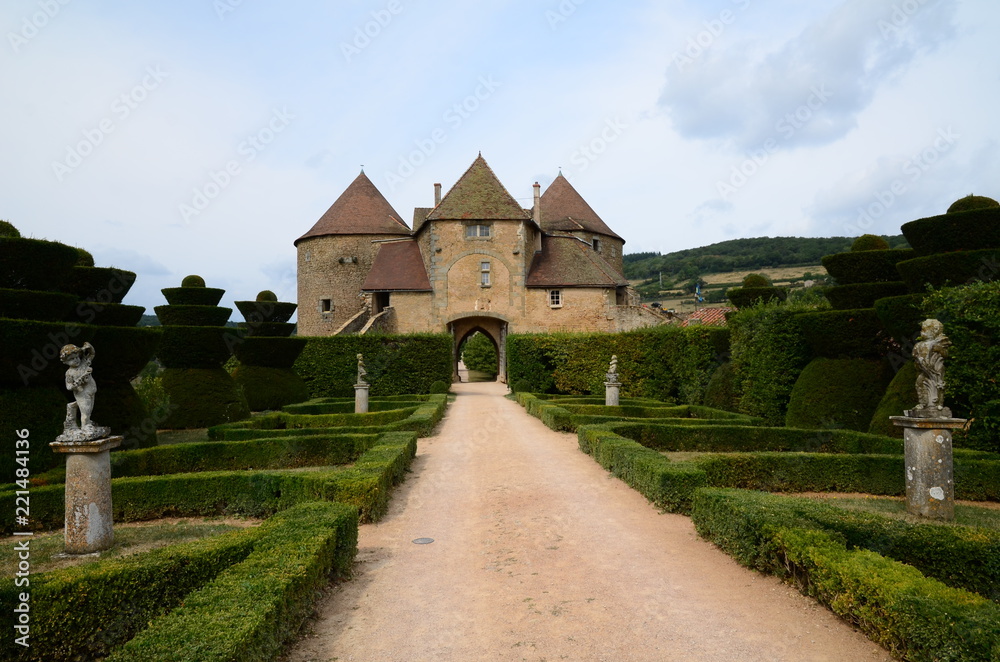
<point>491,325</point>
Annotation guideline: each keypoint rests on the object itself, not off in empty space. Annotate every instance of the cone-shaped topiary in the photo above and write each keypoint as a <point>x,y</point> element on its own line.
<point>266,354</point>
<point>193,281</point>
<point>196,343</point>
<point>971,202</point>
<point>7,229</point>
<point>266,295</point>
<point>869,242</point>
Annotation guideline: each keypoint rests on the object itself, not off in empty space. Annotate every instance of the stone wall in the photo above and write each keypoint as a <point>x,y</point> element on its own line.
<point>332,267</point>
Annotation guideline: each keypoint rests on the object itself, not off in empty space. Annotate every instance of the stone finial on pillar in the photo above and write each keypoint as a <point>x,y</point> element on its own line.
<point>611,384</point>
<point>88,518</point>
<point>361,388</point>
<point>930,486</point>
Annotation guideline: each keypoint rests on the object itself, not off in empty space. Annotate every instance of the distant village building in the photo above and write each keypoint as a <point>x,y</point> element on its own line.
<point>475,261</point>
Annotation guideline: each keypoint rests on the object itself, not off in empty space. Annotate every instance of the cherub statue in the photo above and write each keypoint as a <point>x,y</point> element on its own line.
<point>362,373</point>
<point>929,353</point>
<point>612,375</point>
<point>79,380</point>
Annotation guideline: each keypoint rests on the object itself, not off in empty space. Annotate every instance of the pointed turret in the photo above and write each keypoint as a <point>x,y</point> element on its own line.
<point>478,194</point>
<point>565,210</point>
<point>361,209</point>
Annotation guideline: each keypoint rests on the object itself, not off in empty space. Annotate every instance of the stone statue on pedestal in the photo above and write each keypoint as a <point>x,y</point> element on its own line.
<point>929,354</point>
<point>362,373</point>
<point>612,375</point>
<point>80,381</point>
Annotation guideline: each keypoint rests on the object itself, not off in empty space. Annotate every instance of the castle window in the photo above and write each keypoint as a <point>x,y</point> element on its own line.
<point>326,305</point>
<point>484,273</point>
<point>477,231</point>
<point>597,244</point>
<point>555,299</point>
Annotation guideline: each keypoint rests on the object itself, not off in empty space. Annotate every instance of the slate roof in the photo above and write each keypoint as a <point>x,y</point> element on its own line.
<point>361,209</point>
<point>564,209</point>
<point>709,316</point>
<point>398,267</point>
<point>478,195</point>
<point>570,262</point>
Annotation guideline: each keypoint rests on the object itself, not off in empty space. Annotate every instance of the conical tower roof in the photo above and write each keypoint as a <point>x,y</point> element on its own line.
<point>361,209</point>
<point>478,194</point>
<point>563,209</point>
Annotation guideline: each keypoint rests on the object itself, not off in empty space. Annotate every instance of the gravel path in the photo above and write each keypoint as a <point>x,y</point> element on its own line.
<point>539,554</point>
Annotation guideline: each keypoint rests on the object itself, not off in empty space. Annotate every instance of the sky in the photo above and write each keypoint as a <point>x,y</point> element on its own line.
<point>205,136</point>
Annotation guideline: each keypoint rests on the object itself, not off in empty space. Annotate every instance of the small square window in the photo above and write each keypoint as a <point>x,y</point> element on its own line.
<point>326,305</point>
<point>597,244</point>
<point>555,299</point>
<point>477,231</point>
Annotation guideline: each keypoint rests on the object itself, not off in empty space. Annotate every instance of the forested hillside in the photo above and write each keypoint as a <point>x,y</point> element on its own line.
<point>740,254</point>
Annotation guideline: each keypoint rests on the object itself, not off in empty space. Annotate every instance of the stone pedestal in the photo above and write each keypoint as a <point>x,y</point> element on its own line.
<point>930,484</point>
<point>88,494</point>
<point>361,398</point>
<point>611,393</point>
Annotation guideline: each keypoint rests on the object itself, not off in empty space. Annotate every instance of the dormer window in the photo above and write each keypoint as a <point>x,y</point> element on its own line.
<point>477,231</point>
<point>597,245</point>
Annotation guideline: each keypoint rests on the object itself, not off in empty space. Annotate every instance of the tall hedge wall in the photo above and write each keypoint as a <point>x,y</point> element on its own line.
<point>396,364</point>
<point>971,321</point>
<point>769,352</point>
<point>668,363</point>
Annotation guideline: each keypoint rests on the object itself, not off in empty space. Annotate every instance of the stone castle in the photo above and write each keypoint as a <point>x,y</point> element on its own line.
<point>475,261</point>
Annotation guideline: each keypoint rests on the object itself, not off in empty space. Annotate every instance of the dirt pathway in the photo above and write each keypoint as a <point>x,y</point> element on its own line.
<point>539,554</point>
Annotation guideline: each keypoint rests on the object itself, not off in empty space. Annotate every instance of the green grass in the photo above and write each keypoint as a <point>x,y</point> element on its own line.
<point>128,540</point>
<point>987,518</point>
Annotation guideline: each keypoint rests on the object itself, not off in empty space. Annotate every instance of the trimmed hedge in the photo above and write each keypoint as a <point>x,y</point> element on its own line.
<point>745,297</point>
<point>950,269</point>
<point>175,315</point>
<point>841,333</point>
<point>83,612</point>
<point>268,388</point>
<point>196,346</point>
<point>107,314</point>
<point>721,391</point>
<point>346,405</point>
<point>193,296</point>
<point>666,363</point>
<point>954,231</point>
<point>266,329</point>
<point>396,364</point>
<point>768,355</point>
<point>250,610</point>
<point>900,395</point>
<point>838,393</point>
<point>901,316</point>
<point>266,311</point>
<point>866,266</point>
<point>269,352</point>
<point>99,284</point>
<point>863,295</point>
<point>200,397</point>
<point>34,264</point>
<point>898,607</point>
<point>35,305</point>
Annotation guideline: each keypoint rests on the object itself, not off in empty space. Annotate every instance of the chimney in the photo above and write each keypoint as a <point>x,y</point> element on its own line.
<point>537,209</point>
<point>437,194</point>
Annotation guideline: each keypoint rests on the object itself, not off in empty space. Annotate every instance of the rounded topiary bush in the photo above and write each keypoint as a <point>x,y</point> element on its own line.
<point>439,387</point>
<point>521,386</point>
<point>746,297</point>
<point>863,295</point>
<point>86,259</point>
<point>866,266</point>
<point>841,333</point>
<point>869,242</point>
<point>756,280</point>
<point>837,394</point>
<point>7,229</point>
<point>721,392</point>
<point>972,202</point>
<point>950,269</point>
<point>957,231</point>
<point>266,295</point>
<point>899,396</point>
<point>193,296</point>
<point>193,280</point>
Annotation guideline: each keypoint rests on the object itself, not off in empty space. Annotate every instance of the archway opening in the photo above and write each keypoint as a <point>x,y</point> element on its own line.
<point>494,330</point>
<point>479,357</point>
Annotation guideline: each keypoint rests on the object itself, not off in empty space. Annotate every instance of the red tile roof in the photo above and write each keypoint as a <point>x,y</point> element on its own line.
<point>361,209</point>
<point>709,316</point>
<point>478,195</point>
<point>398,267</point>
<point>564,209</point>
<point>570,262</point>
